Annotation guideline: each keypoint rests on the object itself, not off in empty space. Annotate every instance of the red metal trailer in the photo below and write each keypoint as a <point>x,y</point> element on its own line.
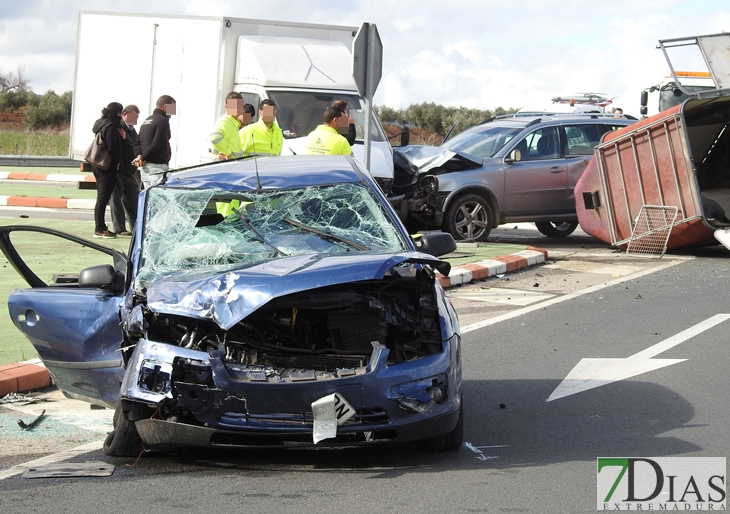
<point>664,182</point>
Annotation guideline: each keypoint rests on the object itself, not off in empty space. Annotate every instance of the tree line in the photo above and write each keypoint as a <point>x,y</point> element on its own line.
<point>41,111</point>
<point>436,118</point>
<point>53,110</point>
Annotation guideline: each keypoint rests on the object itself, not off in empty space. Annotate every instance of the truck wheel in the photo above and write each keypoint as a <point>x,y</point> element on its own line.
<point>556,228</point>
<point>468,218</point>
<point>123,441</point>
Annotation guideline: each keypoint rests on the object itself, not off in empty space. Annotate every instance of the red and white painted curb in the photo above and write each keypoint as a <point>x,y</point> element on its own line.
<point>50,177</point>
<point>465,273</point>
<point>48,203</point>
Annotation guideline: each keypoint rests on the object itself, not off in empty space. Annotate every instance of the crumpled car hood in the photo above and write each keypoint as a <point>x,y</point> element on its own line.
<point>427,158</point>
<point>227,298</point>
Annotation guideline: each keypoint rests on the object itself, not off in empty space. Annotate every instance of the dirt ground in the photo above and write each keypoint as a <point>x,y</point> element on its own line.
<point>21,126</point>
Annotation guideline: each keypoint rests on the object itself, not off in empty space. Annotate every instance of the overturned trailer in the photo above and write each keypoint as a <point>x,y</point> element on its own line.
<point>664,183</point>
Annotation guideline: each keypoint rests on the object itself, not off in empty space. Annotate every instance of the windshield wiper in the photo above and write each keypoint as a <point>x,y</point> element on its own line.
<point>248,223</point>
<point>327,235</point>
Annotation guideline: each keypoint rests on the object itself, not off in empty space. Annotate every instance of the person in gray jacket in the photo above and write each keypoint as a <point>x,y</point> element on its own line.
<point>123,203</point>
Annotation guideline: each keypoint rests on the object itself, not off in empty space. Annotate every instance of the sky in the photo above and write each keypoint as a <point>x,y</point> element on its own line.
<point>477,53</point>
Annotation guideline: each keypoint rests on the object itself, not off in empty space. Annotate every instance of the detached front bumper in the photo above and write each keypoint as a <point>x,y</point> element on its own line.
<point>244,408</point>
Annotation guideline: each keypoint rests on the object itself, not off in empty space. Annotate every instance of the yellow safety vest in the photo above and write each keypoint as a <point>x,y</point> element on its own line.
<point>224,137</point>
<point>325,140</point>
<point>259,139</point>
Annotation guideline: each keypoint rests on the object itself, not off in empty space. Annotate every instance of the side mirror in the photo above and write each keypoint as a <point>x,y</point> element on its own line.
<point>102,276</point>
<point>437,243</point>
<point>644,99</point>
<point>405,136</point>
<point>514,156</point>
<point>644,110</point>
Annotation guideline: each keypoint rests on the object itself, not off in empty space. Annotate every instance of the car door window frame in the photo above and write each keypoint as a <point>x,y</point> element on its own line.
<point>121,261</point>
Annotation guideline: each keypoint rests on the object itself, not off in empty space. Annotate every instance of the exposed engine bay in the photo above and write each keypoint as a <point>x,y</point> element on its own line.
<point>316,334</point>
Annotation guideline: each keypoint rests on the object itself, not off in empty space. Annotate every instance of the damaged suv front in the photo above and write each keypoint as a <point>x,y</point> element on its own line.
<point>289,307</point>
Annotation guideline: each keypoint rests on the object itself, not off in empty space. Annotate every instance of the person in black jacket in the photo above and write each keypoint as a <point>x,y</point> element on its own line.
<point>153,144</point>
<point>108,125</point>
<point>123,204</point>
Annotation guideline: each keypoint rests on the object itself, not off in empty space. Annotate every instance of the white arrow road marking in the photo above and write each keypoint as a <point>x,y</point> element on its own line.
<point>592,373</point>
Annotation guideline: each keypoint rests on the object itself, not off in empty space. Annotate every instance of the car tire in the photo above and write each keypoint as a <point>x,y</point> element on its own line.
<point>123,441</point>
<point>469,218</point>
<point>556,228</point>
<point>451,441</point>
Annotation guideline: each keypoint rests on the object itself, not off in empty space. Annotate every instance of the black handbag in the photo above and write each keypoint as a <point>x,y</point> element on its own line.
<point>98,154</point>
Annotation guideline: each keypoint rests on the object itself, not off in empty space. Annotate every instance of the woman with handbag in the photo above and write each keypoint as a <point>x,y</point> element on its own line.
<point>107,127</point>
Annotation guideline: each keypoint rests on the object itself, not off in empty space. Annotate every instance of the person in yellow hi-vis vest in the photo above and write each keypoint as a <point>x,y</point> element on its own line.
<point>263,137</point>
<point>224,138</point>
<point>326,138</point>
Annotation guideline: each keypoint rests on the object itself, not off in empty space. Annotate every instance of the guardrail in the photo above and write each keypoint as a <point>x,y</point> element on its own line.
<point>39,161</point>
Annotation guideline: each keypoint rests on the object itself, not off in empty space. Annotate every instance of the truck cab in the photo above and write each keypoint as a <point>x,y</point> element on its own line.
<point>303,76</point>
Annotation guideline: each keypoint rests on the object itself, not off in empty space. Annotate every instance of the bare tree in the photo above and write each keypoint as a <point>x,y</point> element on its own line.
<point>14,81</point>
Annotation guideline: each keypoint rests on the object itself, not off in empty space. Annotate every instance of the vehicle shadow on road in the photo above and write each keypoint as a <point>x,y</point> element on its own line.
<point>627,418</point>
<point>508,424</point>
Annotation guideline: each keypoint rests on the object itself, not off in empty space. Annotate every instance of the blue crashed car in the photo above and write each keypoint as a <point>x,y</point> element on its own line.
<point>263,302</point>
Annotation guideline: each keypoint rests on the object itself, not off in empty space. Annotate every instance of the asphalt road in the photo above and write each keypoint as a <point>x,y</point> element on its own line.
<point>522,453</point>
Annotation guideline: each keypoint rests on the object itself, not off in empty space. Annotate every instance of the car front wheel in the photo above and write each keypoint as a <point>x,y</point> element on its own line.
<point>123,441</point>
<point>468,218</point>
<point>556,228</point>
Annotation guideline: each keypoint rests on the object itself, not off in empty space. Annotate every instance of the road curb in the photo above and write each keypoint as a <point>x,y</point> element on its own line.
<point>466,273</point>
<point>23,377</point>
<point>50,203</point>
<point>50,177</point>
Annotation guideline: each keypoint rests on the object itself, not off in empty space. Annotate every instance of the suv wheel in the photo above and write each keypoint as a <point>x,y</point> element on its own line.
<point>468,218</point>
<point>556,228</point>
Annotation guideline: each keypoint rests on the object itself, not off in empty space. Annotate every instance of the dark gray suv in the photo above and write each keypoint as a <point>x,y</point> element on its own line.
<point>510,169</point>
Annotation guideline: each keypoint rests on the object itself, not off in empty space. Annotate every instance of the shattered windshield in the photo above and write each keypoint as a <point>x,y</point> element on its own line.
<point>485,142</point>
<point>213,231</point>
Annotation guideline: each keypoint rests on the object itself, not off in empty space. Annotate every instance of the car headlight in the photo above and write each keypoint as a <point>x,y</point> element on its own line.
<point>422,395</point>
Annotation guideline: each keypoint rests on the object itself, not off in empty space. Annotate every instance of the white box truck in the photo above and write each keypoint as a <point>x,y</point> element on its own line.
<point>136,58</point>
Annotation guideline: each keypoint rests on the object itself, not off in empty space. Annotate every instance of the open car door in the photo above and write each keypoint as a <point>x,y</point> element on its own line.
<point>70,312</point>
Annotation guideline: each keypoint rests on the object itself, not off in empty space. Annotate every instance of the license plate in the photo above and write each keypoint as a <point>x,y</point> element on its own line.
<point>330,412</point>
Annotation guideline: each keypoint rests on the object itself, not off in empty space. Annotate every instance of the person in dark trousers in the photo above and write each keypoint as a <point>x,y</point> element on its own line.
<point>153,144</point>
<point>108,125</point>
<point>351,130</point>
<point>123,203</point>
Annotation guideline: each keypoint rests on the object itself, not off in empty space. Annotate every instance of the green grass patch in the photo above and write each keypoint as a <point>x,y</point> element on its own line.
<point>467,253</point>
<point>30,143</point>
<point>40,190</point>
